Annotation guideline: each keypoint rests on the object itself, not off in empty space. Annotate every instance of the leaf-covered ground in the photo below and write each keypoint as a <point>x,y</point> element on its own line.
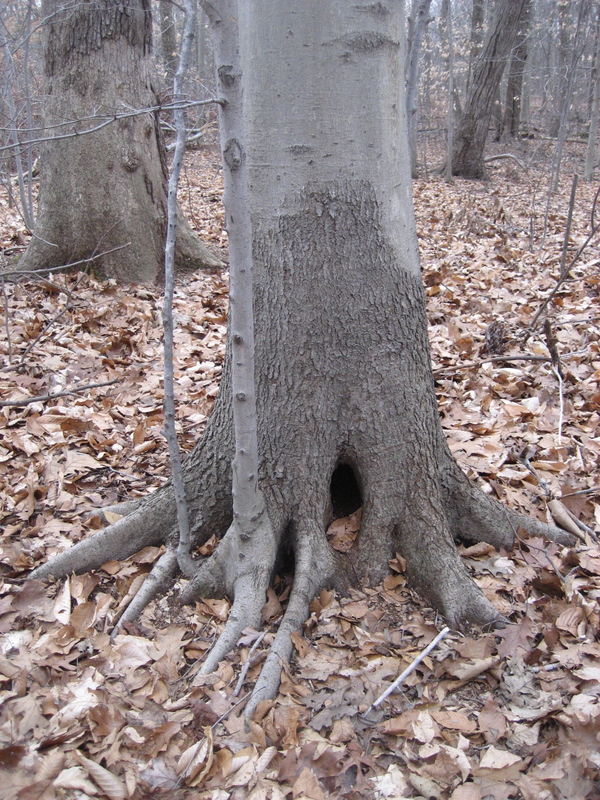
<point>499,715</point>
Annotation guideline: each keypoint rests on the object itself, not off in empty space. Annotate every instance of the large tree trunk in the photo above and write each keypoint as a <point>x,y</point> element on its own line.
<point>347,412</point>
<point>471,136</point>
<point>512,111</point>
<point>168,40</point>
<point>103,192</point>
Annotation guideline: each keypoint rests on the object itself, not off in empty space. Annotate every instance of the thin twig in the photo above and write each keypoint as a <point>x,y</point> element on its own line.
<point>186,563</point>
<point>54,319</point>
<point>564,274</point>
<point>444,632</point>
<point>228,712</point>
<point>561,404</point>
<point>6,321</point>
<point>563,258</point>
<point>248,664</point>
<point>108,120</point>
<point>552,344</point>
<point>591,490</point>
<point>524,459</point>
<point>44,270</point>
<point>492,359</point>
<point>43,397</point>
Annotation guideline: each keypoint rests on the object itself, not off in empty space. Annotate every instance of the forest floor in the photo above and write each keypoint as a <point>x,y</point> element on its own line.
<point>509,714</point>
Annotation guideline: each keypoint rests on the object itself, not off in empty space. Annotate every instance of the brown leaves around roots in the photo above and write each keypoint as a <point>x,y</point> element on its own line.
<point>508,714</point>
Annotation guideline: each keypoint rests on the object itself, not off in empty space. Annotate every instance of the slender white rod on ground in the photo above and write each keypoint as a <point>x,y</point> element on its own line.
<point>392,687</point>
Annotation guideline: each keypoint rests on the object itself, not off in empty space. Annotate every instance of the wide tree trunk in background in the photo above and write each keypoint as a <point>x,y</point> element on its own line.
<point>103,191</point>
<point>472,132</point>
<point>477,18</point>
<point>168,39</point>
<point>514,89</point>
<point>347,413</point>
<point>417,24</point>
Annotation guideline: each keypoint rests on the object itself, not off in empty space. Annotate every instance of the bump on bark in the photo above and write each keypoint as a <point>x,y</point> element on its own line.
<point>226,75</point>
<point>233,155</point>
<point>376,9</point>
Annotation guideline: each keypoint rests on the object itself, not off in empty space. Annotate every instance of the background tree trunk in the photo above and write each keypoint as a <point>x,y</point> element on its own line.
<point>418,23</point>
<point>472,132</point>
<point>514,89</point>
<point>560,63</point>
<point>590,156</point>
<point>168,40</point>
<point>450,111</point>
<point>103,192</point>
<point>477,18</point>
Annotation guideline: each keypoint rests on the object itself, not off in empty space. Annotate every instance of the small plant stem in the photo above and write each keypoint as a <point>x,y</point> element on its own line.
<point>184,559</point>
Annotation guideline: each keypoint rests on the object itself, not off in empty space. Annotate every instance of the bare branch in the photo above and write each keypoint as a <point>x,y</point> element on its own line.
<point>106,120</point>
<point>41,398</point>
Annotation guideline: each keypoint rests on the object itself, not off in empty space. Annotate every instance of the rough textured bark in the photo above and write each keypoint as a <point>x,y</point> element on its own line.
<point>472,132</point>
<point>418,23</point>
<point>168,40</point>
<point>103,191</point>
<point>345,392</point>
<point>590,156</point>
<point>477,17</point>
<point>512,110</point>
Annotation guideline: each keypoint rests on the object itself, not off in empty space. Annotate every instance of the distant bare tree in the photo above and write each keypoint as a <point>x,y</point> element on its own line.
<point>419,17</point>
<point>514,89</point>
<point>467,160</point>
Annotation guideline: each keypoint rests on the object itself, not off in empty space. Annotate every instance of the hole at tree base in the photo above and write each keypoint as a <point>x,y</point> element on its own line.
<point>346,497</point>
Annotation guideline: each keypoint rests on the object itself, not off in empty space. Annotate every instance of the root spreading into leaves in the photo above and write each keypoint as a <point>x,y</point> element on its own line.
<point>493,693</point>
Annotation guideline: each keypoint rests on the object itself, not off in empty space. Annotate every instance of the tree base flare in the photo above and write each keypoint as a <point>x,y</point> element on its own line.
<point>243,569</point>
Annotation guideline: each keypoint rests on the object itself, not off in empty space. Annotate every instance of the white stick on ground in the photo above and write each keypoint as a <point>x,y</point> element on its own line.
<point>392,687</point>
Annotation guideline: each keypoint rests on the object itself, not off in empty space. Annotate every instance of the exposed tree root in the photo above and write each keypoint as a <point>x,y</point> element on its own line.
<point>314,570</point>
<point>122,509</point>
<point>158,582</point>
<point>118,541</point>
<point>474,516</point>
<point>242,566</point>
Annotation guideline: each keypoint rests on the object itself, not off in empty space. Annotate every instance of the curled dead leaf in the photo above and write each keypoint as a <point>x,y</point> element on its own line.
<point>112,786</point>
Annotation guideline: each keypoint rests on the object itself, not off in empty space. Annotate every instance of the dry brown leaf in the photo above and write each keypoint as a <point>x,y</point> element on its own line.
<point>195,762</point>
<point>62,604</point>
<point>112,786</point>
